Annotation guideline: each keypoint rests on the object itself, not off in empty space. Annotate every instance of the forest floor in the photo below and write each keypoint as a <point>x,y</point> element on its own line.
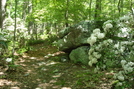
<point>40,70</point>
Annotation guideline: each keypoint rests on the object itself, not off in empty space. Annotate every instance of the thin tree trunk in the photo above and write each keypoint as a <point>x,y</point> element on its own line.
<point>25,9</point>
<point>30,23</point>
<point>122,7</point>
<point>131,8</point>
<point>2,12</point>
<point>90,8</point>
<point>119,8</point>
<point>66,14</point>
<point>14,39</point>
<point>35,32</point>
<point>113,16</point>
<point>97,10</point>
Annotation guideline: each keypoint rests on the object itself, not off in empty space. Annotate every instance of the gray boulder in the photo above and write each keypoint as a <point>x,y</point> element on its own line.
<point>80,55</point>
<point>76,35</point>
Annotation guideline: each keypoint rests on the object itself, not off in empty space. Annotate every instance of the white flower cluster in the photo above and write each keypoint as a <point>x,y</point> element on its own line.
<point>106,42</point>
<point>127,43</point>
<point>94,36</point>
<point>8,22</point>
<point>125,18</point>
<point>107,25</point>
<point>128,67</point>
<point>120,24</point>
<point>120,76</point>
<point>93,58</point>
<point>120,47</point>
<point>124,32</point>
<point>9,60</point>
<point>97,48</point>
<point>124,25</point>
<point>94,54</point>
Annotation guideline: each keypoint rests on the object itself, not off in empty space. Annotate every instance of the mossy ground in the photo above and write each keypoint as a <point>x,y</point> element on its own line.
<point>37,72</point>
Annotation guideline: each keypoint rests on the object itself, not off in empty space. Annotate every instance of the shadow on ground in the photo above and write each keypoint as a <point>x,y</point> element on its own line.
<point>41,68</point>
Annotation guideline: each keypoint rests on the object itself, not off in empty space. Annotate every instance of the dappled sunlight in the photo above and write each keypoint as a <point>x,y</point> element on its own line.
<point>44,69</point>
<point>47,63</point>
<point>58,75</point>
<point>40,72</point>
<point>41,63</point>
<point>23,65</point>
<point>4,82</point>
<point>111,73</point>
<point>66,88</point>
<point>21,60</point>
<point>54,54</point>
<point>49,85</point>
<point>29,71</point>
<point>16,54</point>
<point>14,88</point>
<point>44,85</point>
<point>66,44</point>
<point>1,73</point>
<point>40,59</point>
<point>25,56</point>
<point>51,63</point>
<point>32,58</point>
<point>106,85</point>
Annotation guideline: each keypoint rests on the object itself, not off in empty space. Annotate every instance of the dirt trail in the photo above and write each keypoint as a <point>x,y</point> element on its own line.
<point>41,68</point>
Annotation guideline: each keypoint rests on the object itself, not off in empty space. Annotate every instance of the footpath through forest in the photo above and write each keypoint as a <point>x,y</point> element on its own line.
<point>43,68</point>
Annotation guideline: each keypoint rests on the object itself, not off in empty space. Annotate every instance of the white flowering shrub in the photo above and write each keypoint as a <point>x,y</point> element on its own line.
<point>113,45</point>
<point>21,31</point>
<point>99,46</point>
<point>125,77</point>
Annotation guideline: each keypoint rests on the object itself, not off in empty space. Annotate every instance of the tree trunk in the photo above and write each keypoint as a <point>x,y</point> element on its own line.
<point>131,8</point>
<point>25,9</point>
<point>122,6</point>
<point>90,8</point>
<point>97,10</point>
<point>2,12</point>
<point>35,32</point>
<point>15,25</point>
<point>30,23</point>
<point>119,8</point>
<point>66,13</point>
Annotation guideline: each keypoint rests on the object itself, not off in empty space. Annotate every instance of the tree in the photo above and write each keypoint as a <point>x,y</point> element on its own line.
<point>2,12</point>
<point>90,8</point>
<point>15,25</point>
<point>66,13</point>
<point>131,8</point>
<point>97,14</point>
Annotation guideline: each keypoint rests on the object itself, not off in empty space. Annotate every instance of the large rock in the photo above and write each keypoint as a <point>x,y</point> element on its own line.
<point>80,55</point>
<point>76,35</point>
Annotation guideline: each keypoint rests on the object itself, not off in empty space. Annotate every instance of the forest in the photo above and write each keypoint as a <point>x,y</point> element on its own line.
<point>66,44</point>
